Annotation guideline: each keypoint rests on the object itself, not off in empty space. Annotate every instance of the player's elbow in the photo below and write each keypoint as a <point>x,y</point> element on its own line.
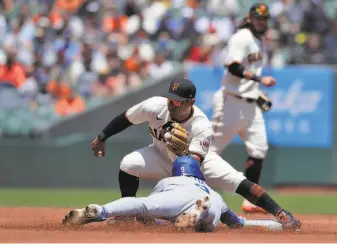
<point>236,69</point>
<point>197,157</point>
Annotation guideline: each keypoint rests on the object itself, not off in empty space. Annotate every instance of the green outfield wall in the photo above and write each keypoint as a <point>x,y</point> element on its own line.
<point>69,162</point>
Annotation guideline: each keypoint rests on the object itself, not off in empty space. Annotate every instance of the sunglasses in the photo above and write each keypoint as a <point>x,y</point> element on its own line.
<point>177,103</point>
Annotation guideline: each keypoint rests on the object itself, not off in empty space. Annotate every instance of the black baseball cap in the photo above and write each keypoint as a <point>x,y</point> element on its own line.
<point>259,9</point>
<point>181,90</point>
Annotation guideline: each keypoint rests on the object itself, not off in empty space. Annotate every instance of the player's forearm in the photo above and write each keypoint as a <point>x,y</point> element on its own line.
<point>197,157</point>
<point>238,70</point>
<point>118,124</point>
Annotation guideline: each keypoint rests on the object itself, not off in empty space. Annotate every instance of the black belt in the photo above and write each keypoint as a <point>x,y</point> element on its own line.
<point>248,100</point>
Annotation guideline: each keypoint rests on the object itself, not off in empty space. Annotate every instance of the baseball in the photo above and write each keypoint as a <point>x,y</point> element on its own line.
<point>167,136</point>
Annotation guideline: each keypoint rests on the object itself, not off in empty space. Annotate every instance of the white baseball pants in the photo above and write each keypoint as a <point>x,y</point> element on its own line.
<point>233,116</point>
<point>148,163</point>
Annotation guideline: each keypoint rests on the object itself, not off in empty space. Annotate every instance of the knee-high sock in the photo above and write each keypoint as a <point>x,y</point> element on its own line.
<point>256,195</point>
<point>128,184</point>
<point>253,169</point>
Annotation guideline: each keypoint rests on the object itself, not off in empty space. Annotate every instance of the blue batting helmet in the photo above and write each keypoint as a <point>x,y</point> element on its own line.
<point>188,166</point>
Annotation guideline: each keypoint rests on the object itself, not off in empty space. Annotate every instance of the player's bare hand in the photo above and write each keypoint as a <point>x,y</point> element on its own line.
<point>268,81</point>
<point>98,147</point>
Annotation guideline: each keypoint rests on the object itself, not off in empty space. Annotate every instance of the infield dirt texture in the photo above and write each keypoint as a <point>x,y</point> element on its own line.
<point>43,225</point>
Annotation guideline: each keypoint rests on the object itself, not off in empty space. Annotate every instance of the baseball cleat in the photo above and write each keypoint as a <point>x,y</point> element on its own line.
<point>248,207</point>
<point>91,213</point>
<point>288,221</point>
<point>192,219</point>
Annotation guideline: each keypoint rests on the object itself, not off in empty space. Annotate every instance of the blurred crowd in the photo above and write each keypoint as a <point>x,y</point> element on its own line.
<point>300,31</point>
<point>303,32</point>
<point>65,53</point>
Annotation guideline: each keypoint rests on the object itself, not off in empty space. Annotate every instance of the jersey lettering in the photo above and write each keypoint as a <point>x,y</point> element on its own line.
<point>201,184</point>
<point>156,134</point>
<point>254,57</point>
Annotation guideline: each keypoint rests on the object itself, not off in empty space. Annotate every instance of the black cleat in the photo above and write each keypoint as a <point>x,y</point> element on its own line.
<point>288,221</point>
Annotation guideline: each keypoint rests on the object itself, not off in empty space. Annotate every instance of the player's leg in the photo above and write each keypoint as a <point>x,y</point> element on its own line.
<point>186,206</point>
<point>221,212</point>
<point>255,138</point>
<point>219,174</point>
<point>225,121</point>
<point>168,205</point>
<point>144,163</point>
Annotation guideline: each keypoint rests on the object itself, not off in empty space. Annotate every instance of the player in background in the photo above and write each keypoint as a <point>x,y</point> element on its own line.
<point>178,128</point>
<point>183,199</point>
<point>238,104</point>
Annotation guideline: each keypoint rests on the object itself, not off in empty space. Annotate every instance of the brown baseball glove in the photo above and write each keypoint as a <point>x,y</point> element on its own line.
<point>176,138</point>
<point>264,102</point>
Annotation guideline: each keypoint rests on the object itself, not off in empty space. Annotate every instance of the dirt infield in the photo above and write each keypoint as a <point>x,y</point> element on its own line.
<point>43,225</point>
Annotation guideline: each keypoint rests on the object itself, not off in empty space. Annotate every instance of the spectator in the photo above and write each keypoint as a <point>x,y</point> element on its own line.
<point>58,89</point>
<point>12,72</point>
<point>6,4</point>
<point>51,49</point>
<point>113,20</point>
<point>330,44</point>
<point>280,7</point>
<point>70,105</point>
<point>29,89</point>
<point>223,7</point>
<point>199,53</point>
<point>131,8</point>
<point>68,5</point>
<point>164,43</point>
<point>315,19</point>
<point>112,82</point>
<point>310,52</point>
<point>132,64</point>
<point>58,69</point>
<point>160,67</point>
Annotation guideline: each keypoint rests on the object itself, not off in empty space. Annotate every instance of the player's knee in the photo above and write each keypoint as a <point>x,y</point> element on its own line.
<point>238,177</point>
<point>128,165</point>
<point>229,183</point>
<point>142,205</point>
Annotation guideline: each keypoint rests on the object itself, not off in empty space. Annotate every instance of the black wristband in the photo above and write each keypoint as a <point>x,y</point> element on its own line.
<point>256,78</point>
<point>101,137</point>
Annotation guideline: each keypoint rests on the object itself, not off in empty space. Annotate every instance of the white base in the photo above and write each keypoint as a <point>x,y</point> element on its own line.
<point>269,224</point>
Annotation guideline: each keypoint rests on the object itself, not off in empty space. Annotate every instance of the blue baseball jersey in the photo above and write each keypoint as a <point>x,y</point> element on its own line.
<point>176,195</point>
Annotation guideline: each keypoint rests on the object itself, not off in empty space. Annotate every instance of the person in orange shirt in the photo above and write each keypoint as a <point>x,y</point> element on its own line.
<point>68,5</point>
<point>58,89</point>
<point>73,104</point>
<point>12,72</point>
<point>113,21</point>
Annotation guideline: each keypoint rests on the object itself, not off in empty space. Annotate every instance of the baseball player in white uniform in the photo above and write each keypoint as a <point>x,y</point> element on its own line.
<point>238,104</point>
<point>180,128</point>
<point>183,199</point>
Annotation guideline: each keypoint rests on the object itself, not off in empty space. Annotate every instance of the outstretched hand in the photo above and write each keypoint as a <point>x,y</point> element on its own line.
<point>98,147</point>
